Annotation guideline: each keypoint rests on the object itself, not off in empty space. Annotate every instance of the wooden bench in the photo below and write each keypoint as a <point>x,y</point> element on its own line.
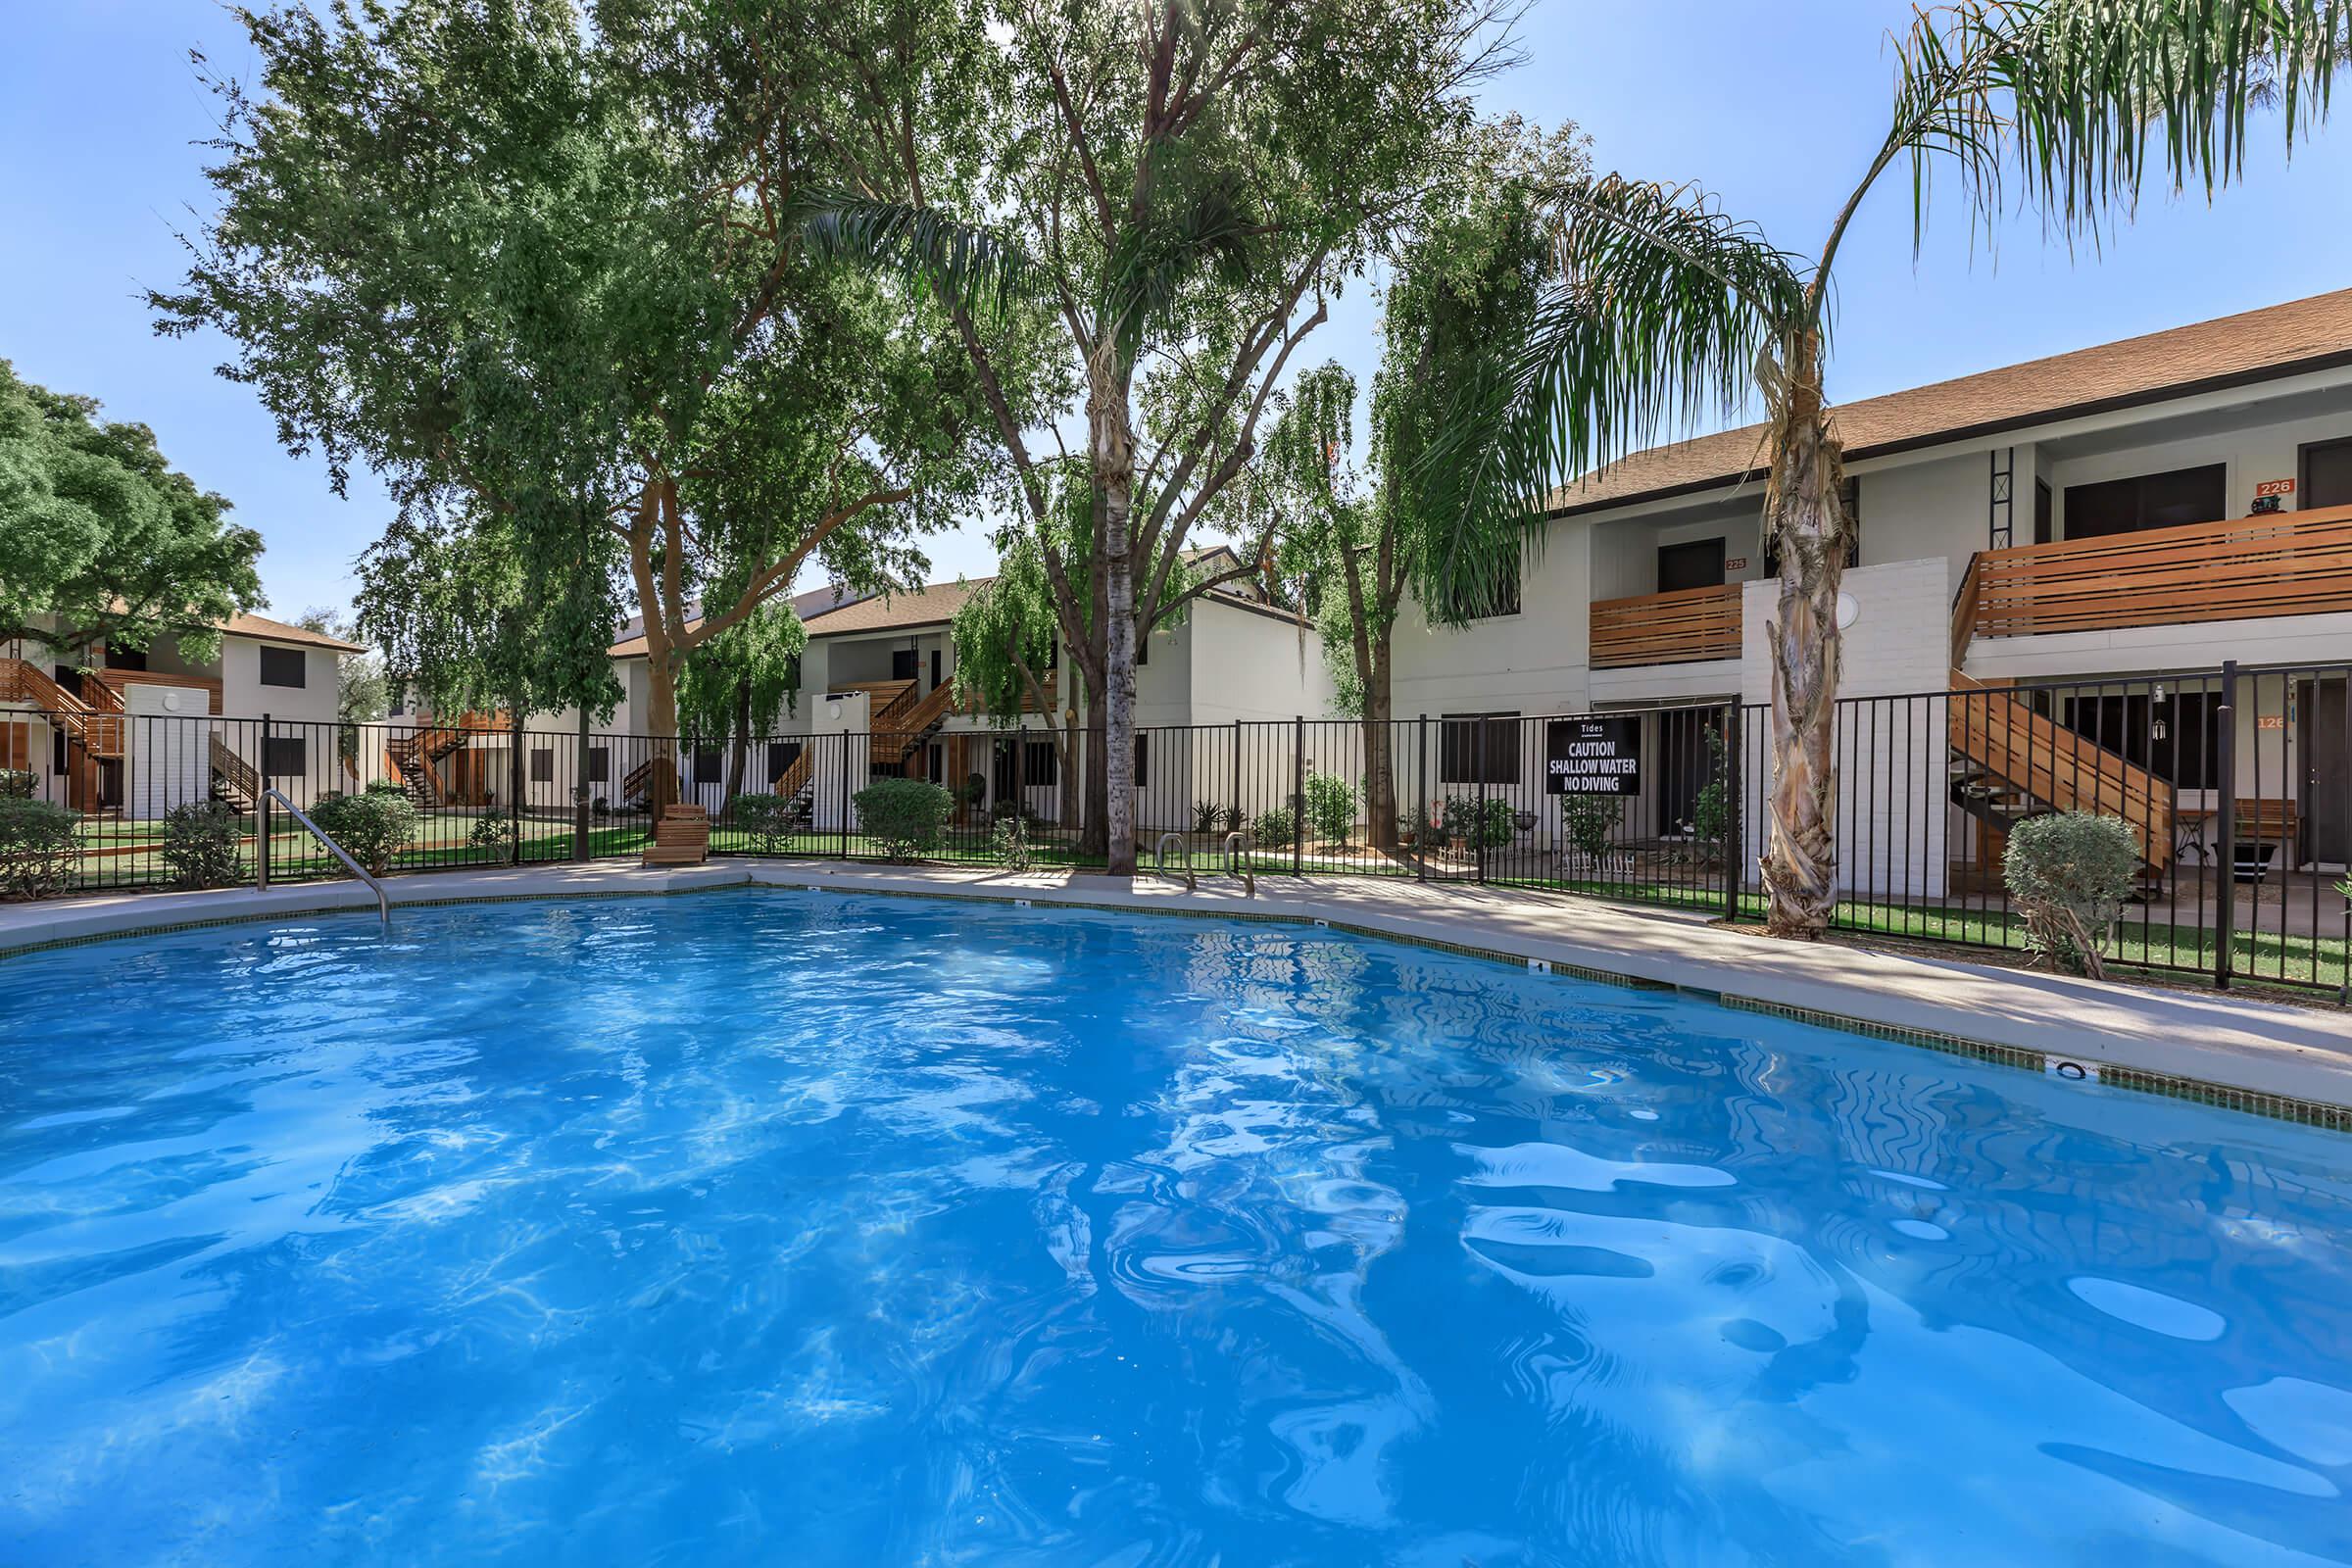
<point>682,837</point>
<point>2265,830</point>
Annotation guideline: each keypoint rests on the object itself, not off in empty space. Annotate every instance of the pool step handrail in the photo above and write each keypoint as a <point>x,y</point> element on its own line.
<point>1184,849</point>
<point>1236,845</point>
<point>383,905</point>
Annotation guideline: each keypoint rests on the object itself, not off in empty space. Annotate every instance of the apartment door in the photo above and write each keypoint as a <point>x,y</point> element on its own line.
<point>2327,793</point>
<point>2327,478</point>
<point>1697,563</point>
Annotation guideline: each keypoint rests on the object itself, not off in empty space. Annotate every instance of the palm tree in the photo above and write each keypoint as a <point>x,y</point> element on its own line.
<point>1662,308</point>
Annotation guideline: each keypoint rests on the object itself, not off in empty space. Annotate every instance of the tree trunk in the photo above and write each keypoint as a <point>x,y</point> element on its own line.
<point>743,739</point>
<point>1806,515</point>
<point>1379,753</point>
<point>1072,812</point>
<point>661,655</point>
<point>1111,448</point>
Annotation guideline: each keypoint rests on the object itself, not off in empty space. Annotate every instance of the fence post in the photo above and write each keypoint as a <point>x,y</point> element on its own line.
<point>515,785</point>
<point>845,794</point>
<point>579,793</point>
<point>1237,774</point>
<point>2224,917</point>
<point>261,813</point>
<point>1421,799</point>
<point>1735,831</point>
<point>1297,794</point>
<point>1478,834</point>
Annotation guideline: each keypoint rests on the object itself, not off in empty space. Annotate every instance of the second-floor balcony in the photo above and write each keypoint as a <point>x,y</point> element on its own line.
<point>2244,569</point>
<point>1681,627</point>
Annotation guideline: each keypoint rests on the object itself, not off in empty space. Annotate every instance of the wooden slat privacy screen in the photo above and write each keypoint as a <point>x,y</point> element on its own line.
<point>1674,629</point>
<point>2287,563</point>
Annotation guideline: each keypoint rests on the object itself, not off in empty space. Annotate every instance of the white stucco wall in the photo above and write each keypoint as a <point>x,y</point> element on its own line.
<point>1536,662</point>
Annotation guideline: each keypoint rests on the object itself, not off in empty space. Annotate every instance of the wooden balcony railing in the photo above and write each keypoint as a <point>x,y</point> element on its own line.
<point>2287,563</point>
<point>1676,629</point>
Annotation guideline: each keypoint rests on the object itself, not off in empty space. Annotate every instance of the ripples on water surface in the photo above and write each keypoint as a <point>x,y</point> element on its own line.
<point>802,1229</point>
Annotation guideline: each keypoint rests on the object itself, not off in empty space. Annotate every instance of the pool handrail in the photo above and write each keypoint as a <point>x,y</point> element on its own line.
<point>383,905</point>
<point>1159,860</point>
<point>1235,844</point>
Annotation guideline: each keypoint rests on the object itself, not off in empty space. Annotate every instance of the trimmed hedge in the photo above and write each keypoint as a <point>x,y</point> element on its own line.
<point>200,843</point>
<point>904,816</point>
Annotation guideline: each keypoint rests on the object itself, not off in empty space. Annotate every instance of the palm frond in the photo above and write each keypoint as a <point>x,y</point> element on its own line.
<point>1658,312</point>
<point>967,263</point>
<point>2088,103</point>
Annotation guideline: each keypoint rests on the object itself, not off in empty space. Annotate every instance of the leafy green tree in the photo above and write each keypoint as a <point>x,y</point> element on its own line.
<point>1189,183</point>
<point>1660,307</point>
<point>545,269</point>
<point>100,541</point>
<point>740,680</point>
<point>1468,276</point>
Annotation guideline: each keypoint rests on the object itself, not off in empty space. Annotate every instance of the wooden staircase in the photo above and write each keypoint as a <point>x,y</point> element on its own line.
<point>414,757</point>
<point>682,837</point>
<point>234,779</point>
<point>899,728</point>
<point>2009,764</point>
<point>95,731</point>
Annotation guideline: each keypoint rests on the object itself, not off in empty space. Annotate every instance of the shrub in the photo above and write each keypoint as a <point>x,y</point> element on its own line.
<point>904,816</point>
<point>1589,822</point>
<point>1205,814</point>
<point>37,848</point>
<point>1274,825</point>
<point>492,830</point>
<point>200,843</point>
<point>17,783</point>
<point>1711,810</point>
<point>372,826</point>
<point>1232,819</point>
<point>2069,874</point>
<point>1010,841</point>
<point>1329,807</point>
<point>766,819</point>
<point>1461,820</point>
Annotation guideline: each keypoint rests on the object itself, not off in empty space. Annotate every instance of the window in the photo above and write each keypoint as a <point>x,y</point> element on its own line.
<point>543,765</point>
<point>2147,501</point>
<point>781,755</point>
<point>125,658</point>
<point>1459,742</point>
<point>1696,564</point>
<point>1143,760</point>
<point>599,764</point>
<point>903,663</point>
<point>282,756</point>
<point>283,667</point>
<point>707,764</point>
<point>1040,765</point>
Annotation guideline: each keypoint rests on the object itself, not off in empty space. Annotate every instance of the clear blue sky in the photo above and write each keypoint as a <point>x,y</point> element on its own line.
<point>101,111</point>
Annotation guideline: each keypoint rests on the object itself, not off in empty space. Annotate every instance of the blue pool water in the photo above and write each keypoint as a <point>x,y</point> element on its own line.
<point>800,1229</point>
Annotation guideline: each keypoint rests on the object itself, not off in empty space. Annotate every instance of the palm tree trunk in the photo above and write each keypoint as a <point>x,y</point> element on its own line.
<point>1805,515</point>
<point>1379,753</point>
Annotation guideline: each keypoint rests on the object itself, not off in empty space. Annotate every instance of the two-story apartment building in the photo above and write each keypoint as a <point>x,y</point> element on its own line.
<point>116,730</point>
<point>884,667</point>
<point>2101,516</point>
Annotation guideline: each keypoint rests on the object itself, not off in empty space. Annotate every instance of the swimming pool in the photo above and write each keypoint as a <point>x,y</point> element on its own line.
<point>802,1228</point>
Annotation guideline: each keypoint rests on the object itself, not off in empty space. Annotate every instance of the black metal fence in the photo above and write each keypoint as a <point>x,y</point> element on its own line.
<point>2237,784</point>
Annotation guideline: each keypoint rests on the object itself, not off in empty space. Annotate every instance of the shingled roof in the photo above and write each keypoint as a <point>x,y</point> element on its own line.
<point>2262,345</point>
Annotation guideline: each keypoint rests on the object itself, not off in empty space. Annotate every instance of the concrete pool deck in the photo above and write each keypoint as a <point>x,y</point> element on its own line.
<point>2261,1055</point>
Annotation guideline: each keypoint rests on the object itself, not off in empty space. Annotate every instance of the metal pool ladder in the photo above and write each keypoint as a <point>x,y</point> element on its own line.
<point>383,906</point>
<point>1183,850</point>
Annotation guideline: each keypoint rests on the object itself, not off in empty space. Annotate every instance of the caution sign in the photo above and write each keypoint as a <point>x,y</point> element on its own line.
<point>1593,757</point>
